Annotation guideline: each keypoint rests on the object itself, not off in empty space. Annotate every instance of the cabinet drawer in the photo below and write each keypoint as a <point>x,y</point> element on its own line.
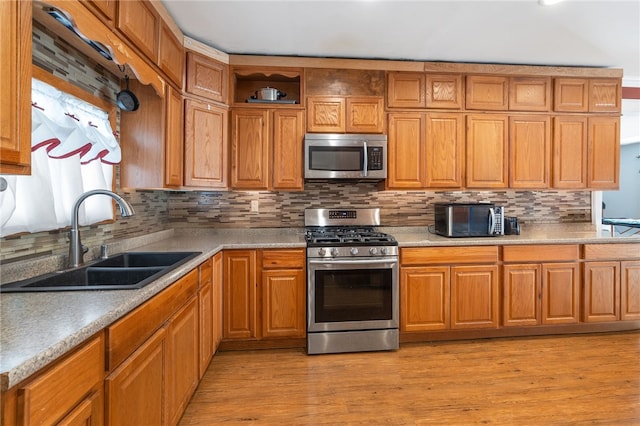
<point>448,255</point>
<point>541,253</point>
<point>53,393</point>
<point>272,259</point>
<point>611,251</point>
<point>128,333</point>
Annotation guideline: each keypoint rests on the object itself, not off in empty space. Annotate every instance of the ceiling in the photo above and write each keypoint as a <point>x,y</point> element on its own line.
<point>601,33</point>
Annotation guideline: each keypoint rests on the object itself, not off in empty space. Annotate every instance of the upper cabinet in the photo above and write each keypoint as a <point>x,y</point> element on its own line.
<point>15,87</point>
<point>530,93</point>
<point>424,90</point>
<point>207,77</point>
<point>140,23</point>
<point>587,95</point>
<point>489,93</point>
<point>350,114</point>
<point>171,55</point>
<point>285,84</point>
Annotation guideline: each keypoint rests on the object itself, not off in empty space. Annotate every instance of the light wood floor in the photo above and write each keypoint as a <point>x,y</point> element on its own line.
<point>588,379</point>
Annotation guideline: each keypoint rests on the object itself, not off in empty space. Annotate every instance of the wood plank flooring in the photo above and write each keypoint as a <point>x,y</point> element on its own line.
<point>579,379</point>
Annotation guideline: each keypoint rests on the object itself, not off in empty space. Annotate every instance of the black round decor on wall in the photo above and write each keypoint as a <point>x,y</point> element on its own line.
<point>127,100</point>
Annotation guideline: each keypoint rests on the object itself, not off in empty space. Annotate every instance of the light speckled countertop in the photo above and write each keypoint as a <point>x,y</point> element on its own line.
<point>37,328</point>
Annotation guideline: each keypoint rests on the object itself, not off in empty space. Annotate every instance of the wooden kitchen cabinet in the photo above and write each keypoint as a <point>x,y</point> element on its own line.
<point>569,152</point>
<point>139,21</point>
<point>217,286</point>
<point>351,114</point>
<point>106,7</point>
<point>603,157</point>
<point>170,54</point>
<point>267,149</point>
<point>406,90</point>
<point>205,144</point>
<point>174,144</point>
<point>275,306</point>
<point>444,91</point>
<point>437,296</point>
<point>605,95</point>
<point>15,87</point>
<point>571,95</point>
<point>541,285</point>
<point>406,151</point>
<point>487,151</point>
<point>181,368</point>
<point>206,309</point>
<point>530,93</point>
<point>425,298</point>
<point>444,150</point>
<point>529,151</point>
<point>283,293</point>
<point>240,294</point>
<point>80,375</point>
<point>611,282</point>
<point>488,93</point>
<point>207,77</point>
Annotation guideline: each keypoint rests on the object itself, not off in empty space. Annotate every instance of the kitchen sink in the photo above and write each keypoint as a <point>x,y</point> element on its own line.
<point>121,272</point>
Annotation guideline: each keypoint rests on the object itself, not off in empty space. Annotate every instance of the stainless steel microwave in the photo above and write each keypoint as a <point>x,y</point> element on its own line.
<point>468,219</point>
<point>345,156</point>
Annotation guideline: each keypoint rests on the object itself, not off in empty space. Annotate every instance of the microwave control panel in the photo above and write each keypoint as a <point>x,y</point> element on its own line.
<point>374,158</point>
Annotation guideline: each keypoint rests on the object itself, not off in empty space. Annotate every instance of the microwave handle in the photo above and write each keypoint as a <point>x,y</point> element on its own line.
<point>492,220</point>
<point>365,163</point>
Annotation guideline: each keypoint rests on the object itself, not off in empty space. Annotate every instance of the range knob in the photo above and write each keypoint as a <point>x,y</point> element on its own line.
<point>334,252</point>
<point>354,251</point>
<point>373,251</point>
<point>383,251</point>
<point>322,251</point>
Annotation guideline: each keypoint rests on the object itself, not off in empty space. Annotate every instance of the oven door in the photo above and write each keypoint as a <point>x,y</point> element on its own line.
<point>352,294</point>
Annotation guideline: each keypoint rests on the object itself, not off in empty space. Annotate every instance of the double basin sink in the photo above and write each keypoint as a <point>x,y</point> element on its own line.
<point>124,271</point>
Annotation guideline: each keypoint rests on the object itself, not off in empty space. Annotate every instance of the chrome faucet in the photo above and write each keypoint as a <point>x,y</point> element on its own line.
<point>76,250</point>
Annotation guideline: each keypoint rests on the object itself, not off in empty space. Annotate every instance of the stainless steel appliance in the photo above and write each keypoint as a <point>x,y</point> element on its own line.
<point>345,156</point>
<point>352,282</point>
<point>468,219</point>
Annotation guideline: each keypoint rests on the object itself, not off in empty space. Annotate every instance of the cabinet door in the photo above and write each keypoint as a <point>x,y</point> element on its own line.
<point>326,114</point>
<point>288,139</point>
<point>140,23</point>
<point>205,145</point>
<point>605,95</point>
<point>630,291</point>
<point>560,293</point>
<point>530,93</point>
<point>601,291</point>
<point>283,303</point>
<point>15,87</point>
<point>424,298</point>
<point>604,153</point>
<point>406,151</point>
<point>171,55</point>
<point>207,77</point>
<point>217,300</point>
<point>488,93</point>
<point>206,316</point>
<point>174,147</point>
<point>240,284</point>
<point>135,391</point>
<point>571,95</point>
<point>444,150</point>
<point>474,297</point>
<point>529,151</point>
<point>74,381</point>
<point>521,295</point>
<point>444,91</point>
<point>182,372</point>
<point>88,413</point>
<point>365,115</point>
<point>487,159</point>
<point>106,7</point>
<point>250,149</point>
<point>569,152</point>
<point>406,90</point>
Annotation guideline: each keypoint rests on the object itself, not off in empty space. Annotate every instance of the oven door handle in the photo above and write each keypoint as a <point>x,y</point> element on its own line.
<point>352,262</point>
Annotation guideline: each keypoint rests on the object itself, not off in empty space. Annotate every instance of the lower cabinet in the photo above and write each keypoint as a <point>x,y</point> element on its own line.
<point>435,296</point>
<point>264,294</point>
<point>611,282</point>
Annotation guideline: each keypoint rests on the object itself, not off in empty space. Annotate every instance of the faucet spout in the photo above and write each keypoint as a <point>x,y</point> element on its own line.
<point>76,252</point>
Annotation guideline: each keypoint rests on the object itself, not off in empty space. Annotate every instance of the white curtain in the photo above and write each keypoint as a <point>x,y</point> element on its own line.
<point>73,150</point>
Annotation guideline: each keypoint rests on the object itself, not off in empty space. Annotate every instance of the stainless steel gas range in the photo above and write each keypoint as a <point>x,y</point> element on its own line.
<point>352,282</point>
